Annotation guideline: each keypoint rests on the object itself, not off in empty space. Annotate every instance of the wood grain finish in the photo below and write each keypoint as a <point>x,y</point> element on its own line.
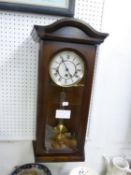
<point>66,34</point>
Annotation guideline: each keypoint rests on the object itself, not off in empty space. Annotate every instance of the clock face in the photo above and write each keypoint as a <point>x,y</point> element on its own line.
<point>66,68</point>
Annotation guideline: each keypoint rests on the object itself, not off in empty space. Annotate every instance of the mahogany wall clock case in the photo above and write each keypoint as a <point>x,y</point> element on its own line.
<point>65,73</point>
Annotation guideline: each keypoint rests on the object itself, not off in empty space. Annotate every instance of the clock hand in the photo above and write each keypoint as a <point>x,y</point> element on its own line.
<point>66,68</point>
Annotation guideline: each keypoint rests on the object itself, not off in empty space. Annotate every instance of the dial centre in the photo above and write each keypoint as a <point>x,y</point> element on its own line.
<point>67,69</point>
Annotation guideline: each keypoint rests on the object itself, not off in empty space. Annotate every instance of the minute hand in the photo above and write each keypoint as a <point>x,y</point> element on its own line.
<point>66,68</point>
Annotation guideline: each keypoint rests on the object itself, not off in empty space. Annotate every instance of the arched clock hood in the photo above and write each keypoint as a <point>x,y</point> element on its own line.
<point>63,30</point>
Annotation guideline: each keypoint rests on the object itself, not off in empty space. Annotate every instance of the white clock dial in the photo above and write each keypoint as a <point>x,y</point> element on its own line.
<point>66,68</point>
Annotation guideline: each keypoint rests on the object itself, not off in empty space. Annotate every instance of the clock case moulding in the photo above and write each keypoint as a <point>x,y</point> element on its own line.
<point>72,34</point>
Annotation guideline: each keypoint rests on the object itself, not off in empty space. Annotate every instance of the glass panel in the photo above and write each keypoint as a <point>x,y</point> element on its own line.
<point>63,120</point>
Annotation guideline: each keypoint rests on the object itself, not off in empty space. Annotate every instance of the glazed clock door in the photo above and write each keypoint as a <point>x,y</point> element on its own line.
<point>64,102</point>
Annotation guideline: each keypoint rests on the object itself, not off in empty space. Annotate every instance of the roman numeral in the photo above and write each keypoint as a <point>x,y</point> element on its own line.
<point>60,79</point>
<point>78,70</point>
<point>77,64</point>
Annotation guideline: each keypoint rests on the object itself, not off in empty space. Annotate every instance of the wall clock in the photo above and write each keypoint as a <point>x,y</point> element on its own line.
<point>65,73</point>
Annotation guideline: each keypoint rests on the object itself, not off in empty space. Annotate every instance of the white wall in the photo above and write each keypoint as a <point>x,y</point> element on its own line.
<point>110,125</point>
<point>111,110</point>
<point>110,130</point>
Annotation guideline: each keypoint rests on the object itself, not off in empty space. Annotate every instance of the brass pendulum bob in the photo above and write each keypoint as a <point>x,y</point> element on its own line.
<point>60,129</point>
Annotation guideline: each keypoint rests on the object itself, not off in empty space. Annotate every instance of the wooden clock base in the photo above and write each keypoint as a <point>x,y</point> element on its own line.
<point>58,157</point>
